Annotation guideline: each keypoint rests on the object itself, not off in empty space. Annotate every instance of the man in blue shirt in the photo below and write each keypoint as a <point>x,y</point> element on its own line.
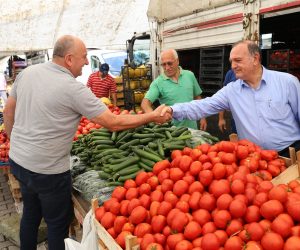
<point>265,104</point>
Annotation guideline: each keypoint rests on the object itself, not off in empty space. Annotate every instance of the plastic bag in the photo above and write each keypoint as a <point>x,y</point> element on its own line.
<point>89,236</point>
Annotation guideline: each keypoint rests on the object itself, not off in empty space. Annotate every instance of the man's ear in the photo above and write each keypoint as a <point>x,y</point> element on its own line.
<point>68,59</point>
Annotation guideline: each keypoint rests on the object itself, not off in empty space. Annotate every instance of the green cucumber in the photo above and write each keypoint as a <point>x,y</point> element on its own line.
<point>128,162</point>
<point>144,154</point>
<point>129,176</point>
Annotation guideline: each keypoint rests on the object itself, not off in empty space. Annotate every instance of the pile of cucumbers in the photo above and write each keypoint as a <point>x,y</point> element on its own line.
<point>118,156</point>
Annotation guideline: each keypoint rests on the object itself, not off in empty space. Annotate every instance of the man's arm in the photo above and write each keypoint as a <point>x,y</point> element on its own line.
<point>203,122</point>
<point>9,115</point>
<point>114,98</point>
<point>146,105</point>
<point>120,122</point>
<point>222,122</point>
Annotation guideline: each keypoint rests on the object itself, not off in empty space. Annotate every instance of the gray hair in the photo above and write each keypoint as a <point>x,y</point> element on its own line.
<point>174,52</point>
<point>252,47</point>
<point>63,45</point>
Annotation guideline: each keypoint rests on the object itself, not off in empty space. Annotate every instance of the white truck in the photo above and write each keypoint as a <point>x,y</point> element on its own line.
<point>203,31</point>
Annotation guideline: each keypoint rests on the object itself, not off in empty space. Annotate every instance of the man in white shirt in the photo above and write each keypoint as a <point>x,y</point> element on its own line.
<point>3,94</point>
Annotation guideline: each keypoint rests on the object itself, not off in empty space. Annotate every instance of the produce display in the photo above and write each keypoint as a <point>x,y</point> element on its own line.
<point>208,198</point>
<point>119,156</point>
<point>4,147</point>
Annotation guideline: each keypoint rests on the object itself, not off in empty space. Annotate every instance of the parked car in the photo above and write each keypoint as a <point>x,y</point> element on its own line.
<point>114,58</point>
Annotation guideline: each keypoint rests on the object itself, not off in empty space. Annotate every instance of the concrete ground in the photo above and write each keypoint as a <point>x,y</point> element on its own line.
<point>7,208</point>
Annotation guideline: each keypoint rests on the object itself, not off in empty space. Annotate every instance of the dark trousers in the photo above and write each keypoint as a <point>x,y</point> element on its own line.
<point>286,153</point>
<point>44,196</point>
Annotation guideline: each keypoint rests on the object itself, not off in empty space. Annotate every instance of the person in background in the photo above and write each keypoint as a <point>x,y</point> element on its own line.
<point>265,104</point>
<point>3,85</point>
<point>229,77</point>
<point>102,84</point>
<point>175,85</point>
<point>41,117</point>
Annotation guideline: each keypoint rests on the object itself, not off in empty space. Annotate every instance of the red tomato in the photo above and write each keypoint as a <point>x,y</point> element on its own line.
<point>234,227</point>
<point>124,207</point>
<point>171,198</point>
<point>155,246</point>
<point>224,201</point>
<point>282,227</point>
<point>295,231</point>
<point>133,204</point>
<point>260,199</point>
<point>157,195</point>
<point>292,243</point>
<point>147,240</point>
<point>204,148</point>
<point>138,215</point>
<point>144,188</point>
<point>194,200</point>
<point>119,193</point>
<point>100,211</point>
<point>180,187</point>
<point>253,245</point>
<point>158,223</point>
<point>252,214</point>
<point>153,182</point>
<point>164,208</point>
<point>161,165</point>
<point>185,162</point>
<point>272,241</point>
<point>219,171</point>
<point>293,208</point>
<point>183,206</point>
<point>205,177</point>
<point>142,229</point>
<point>196,186</point>
<point>179,222</point>
<point>219,187</point>
<point>237,187</point>
<point>265,224</point>
<point>107,220</point>
<point>208,227</point>
<point>121,238</point>
<point>153,208</point>
<point>167,185</point>
<point>226,146</point>
<point>207,201</point>
<point>195,168</point>
<point>186,151</point>
<point>119,223</point>
<point>234,243</point>
<point>131,193</point>
<point>222,218</point>
<point>145,201</point>
<point>192,230</point>
<point>271,209</point>
<point>173,239</point>
<point>210,242</point>
<point>255,231</point>
<point>195,154</point>
<point>176,174</point>
<point>129,184</point>
<point>175,153</point>
<point>201,216</point>
<point>184,245</point>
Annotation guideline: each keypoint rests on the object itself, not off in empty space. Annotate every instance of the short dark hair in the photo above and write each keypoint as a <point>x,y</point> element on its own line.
<point>251,45</point>
<point>63,45</point>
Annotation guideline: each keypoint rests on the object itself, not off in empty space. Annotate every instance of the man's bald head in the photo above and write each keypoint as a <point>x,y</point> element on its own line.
<point>64,45</point>
<point>70,52</point>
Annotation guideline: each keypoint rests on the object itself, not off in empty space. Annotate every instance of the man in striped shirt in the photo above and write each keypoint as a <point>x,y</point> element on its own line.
<point>102,84</point>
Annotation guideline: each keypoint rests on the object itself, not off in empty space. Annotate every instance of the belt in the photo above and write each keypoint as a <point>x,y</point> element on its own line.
<point>286,153</point>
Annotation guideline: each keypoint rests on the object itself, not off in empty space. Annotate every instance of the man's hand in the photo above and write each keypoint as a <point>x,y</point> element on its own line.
<point>222,125</point>
<point>203,124</point>
<point>163,114</point>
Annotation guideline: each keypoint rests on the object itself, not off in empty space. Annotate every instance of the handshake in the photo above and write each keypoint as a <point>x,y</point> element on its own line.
<point>162,114</point>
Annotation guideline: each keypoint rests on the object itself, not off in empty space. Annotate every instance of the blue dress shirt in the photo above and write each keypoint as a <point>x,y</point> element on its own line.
<point>268,116</point>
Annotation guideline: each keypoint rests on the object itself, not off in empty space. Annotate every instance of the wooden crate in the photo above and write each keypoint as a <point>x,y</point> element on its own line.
<point>14,187</point>
<point>291,173</point>
<point>106,241</point>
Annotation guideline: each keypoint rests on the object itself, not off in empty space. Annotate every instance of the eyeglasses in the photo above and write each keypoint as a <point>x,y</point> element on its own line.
<point>167,63</point>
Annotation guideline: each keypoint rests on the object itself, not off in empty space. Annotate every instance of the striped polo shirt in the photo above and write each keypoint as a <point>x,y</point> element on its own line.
<point>101,87</point>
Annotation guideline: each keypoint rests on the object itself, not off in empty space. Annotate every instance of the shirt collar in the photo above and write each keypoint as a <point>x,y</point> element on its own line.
<point>61,68</point>
<point>264,78</point>
<point>168,78</point>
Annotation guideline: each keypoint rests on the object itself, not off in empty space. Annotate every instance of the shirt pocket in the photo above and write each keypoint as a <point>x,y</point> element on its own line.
<point>275,110</point>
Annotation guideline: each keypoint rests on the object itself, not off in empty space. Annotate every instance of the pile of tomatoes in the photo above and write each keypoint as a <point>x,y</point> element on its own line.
<point>208,198</point>
<point>4,146</point>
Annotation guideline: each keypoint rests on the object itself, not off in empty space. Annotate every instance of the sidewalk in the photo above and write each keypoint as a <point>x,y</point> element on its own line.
<point>7,208</point>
